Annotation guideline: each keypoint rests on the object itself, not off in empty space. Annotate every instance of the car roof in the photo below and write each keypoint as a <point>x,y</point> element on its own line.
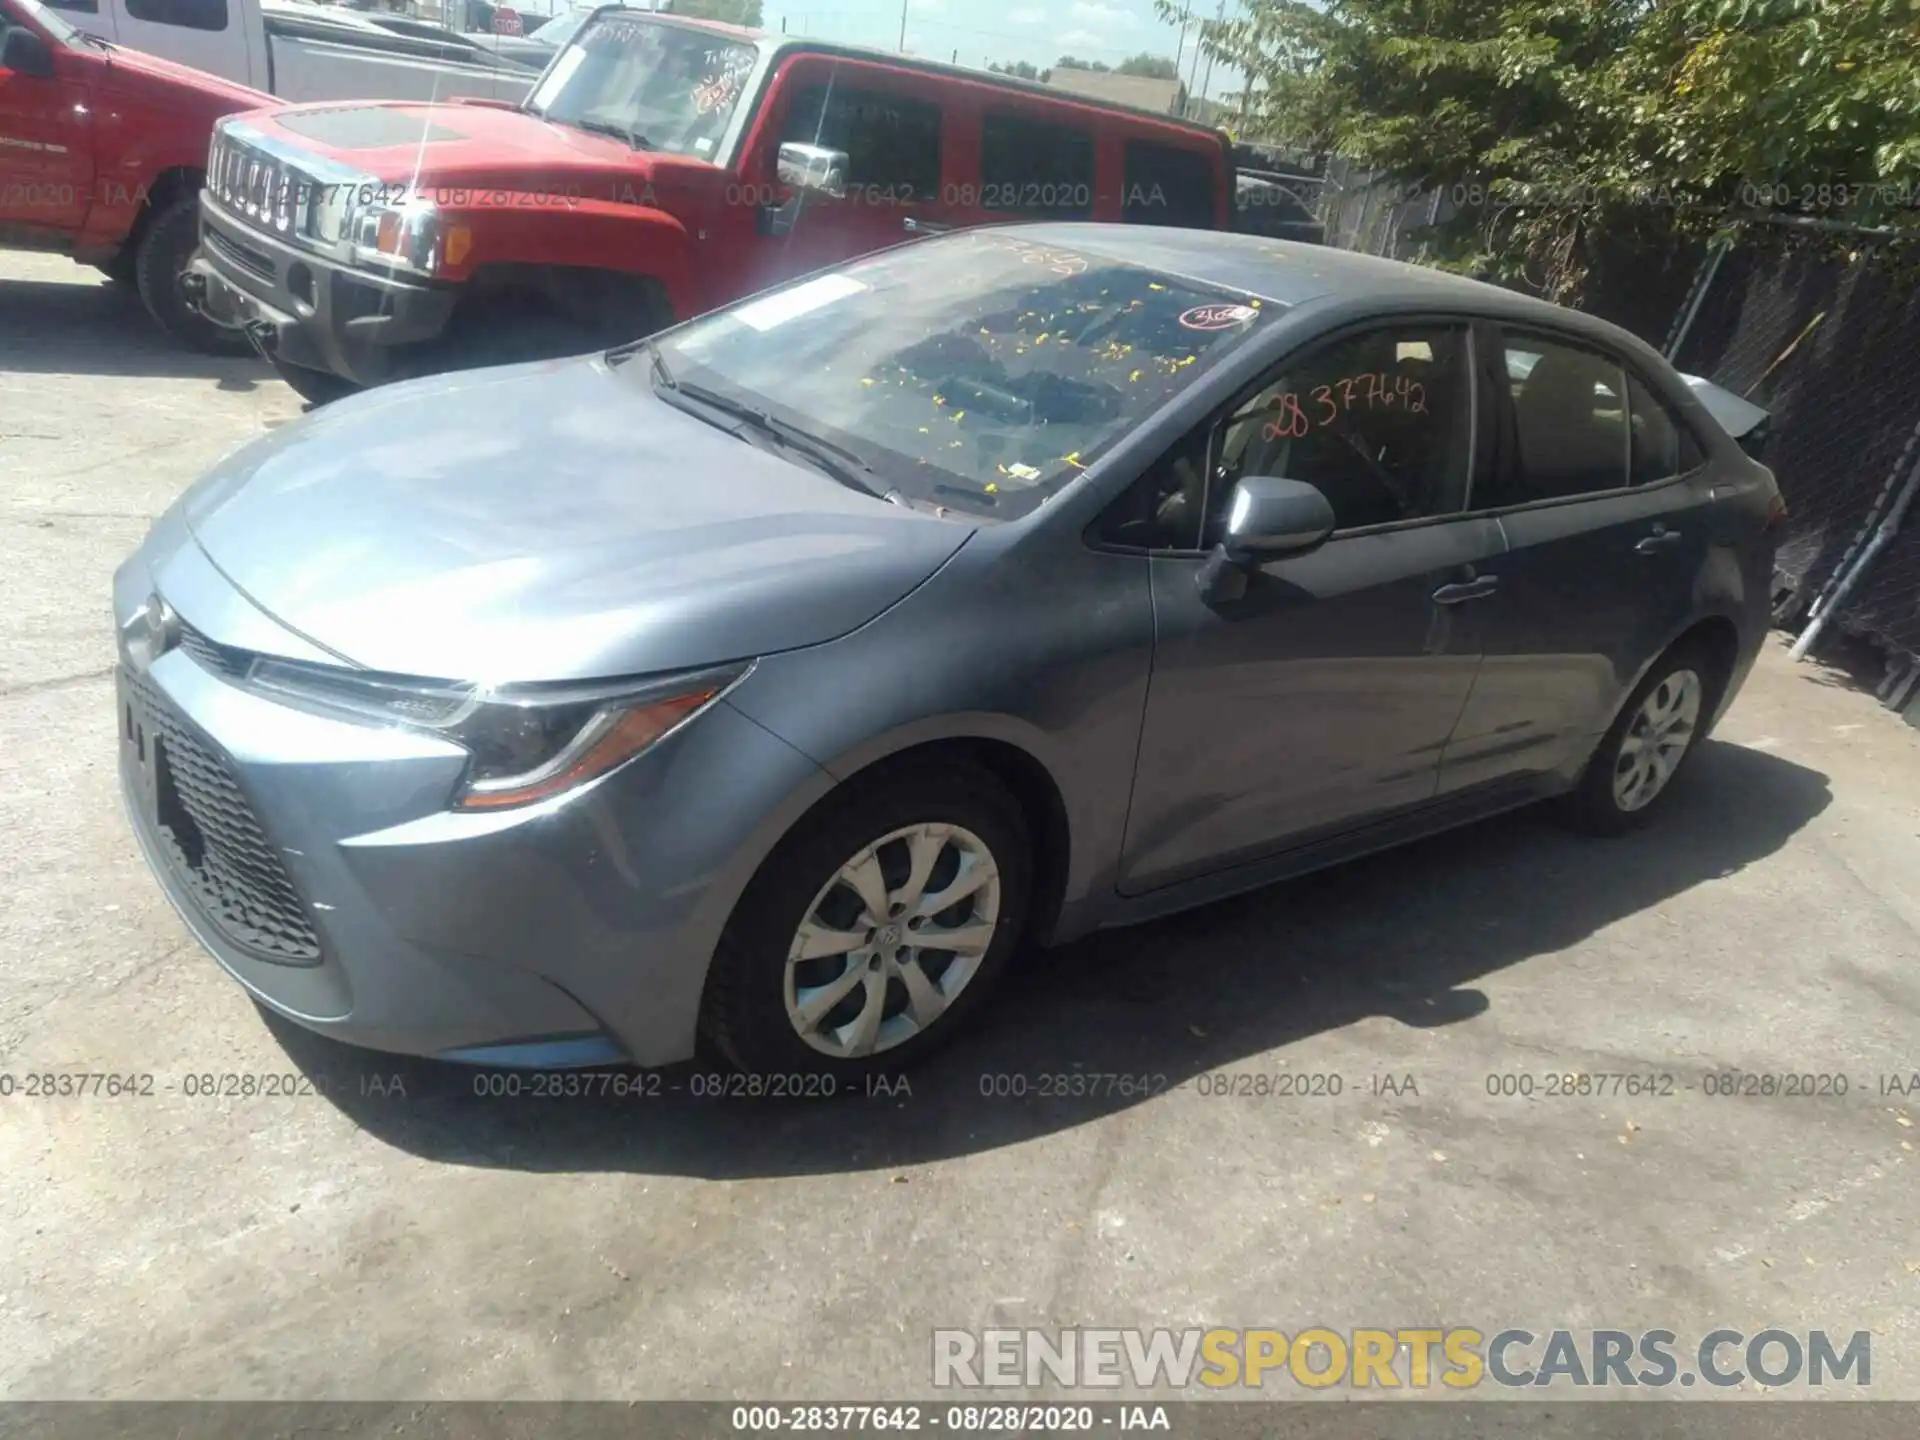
<point>1293,273</point>
<point>941,69</point>
<point>784,44</point>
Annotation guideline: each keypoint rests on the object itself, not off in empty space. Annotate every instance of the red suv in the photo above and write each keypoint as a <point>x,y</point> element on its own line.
<point>100,154</point>
<point>661,166</point>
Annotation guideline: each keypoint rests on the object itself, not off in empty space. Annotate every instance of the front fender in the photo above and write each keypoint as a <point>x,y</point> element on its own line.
<point>517,228</point>
<point>1051,658</point>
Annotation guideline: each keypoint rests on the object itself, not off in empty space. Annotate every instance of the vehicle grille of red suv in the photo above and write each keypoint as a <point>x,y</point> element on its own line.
<point>259,188</point>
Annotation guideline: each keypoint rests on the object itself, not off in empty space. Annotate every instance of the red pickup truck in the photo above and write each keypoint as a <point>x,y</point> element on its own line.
<point>102,152</point>
<point>661,166</point>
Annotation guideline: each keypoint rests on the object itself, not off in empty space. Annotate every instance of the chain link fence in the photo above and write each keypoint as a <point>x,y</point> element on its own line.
<point>1829,343</point>
<point>1823,331</point>
<point>1362,213</point>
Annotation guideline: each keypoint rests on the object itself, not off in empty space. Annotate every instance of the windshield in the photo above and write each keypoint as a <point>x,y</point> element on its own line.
<point>664,86</point>
<point>56,27</point>
<point>981,369</point>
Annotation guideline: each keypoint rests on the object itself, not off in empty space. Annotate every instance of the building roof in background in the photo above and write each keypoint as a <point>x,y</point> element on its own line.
<point>1136,90</point>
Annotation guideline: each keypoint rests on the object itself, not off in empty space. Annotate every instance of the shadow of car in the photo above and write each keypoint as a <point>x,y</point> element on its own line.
<point>1405,934</point>
<point>89,327</point>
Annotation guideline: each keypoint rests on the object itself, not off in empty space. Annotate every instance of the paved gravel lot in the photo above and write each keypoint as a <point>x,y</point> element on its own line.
<point>370,1243</point>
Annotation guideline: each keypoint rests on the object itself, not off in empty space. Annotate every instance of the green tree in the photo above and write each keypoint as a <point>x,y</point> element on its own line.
<point>1560,120</point>
<point>1153,67</point>
<point>1067,62</point>
<point>733,12</point>
<point>1019,69</point>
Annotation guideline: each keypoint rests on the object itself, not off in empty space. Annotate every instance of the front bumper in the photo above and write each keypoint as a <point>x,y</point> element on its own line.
<point>316,859</point>
<point>308,310</point>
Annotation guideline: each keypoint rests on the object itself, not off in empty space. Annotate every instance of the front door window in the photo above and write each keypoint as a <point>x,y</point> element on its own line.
<point>1379,423</point>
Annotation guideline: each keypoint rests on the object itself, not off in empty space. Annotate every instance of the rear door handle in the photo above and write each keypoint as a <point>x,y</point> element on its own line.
<point>1656,542</point>
<point>1468,590</point>
<point>913,225</point>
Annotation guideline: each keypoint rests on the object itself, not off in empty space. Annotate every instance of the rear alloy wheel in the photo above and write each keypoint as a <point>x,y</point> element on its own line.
<point>1657,740</point>
<point>876,929</point>
<point>1657,730</point>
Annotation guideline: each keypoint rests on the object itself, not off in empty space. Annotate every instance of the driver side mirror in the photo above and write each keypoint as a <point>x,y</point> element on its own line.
<point>1266,516</point>
<point>814,168</point>
<point>24,53</point>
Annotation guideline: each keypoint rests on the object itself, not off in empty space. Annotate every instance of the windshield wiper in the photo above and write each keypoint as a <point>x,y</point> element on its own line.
<point>836,460</point>
<point>660,370</point>
<point>635,140</point>
<point>93,39</point>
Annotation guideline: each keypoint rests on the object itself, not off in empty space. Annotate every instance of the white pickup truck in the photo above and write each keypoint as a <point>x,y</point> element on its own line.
<point>300,52</point>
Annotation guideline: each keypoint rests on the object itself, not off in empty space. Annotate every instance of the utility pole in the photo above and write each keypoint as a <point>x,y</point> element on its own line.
<point>1192,72</point>
<point>903,25</point>
<point>1207,84</point>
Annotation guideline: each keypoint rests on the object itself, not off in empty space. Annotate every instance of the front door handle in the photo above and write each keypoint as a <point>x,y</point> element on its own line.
<point>1467,590</point>
<point>913,225</point>
<point>1656,542</point>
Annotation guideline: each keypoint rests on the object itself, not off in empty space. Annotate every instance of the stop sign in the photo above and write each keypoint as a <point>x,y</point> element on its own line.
<point>506,22</point>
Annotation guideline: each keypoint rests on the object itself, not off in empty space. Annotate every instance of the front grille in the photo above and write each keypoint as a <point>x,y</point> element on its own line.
<point>213,839</point>
<point>245,256</point>
<point>258,187</point>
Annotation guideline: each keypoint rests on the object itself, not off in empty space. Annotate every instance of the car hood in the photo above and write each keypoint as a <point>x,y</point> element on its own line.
<point>455,144</point>
<point>144,78</point>
<point>552,521</point>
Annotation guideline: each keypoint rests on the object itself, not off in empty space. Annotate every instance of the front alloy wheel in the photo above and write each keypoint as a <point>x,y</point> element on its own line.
<point>891,940</point>
<point>877,927</point>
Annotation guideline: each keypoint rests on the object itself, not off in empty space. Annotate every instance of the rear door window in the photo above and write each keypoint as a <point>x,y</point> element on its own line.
<point>1030,166</point>
<point>1168,185</point>
<point>1662,443</point>
<point>1567,421</point>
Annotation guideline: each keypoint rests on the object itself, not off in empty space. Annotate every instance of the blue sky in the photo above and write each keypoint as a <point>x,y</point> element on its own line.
<point>1037,31</point>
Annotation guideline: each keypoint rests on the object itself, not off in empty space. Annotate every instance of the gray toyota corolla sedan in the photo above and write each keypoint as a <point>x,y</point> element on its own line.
<point>777,678</point>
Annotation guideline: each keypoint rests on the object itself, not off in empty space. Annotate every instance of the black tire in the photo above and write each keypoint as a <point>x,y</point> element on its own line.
<point>1595,806</point>
<point>316,387</point>
<point>745,1008</point>
<point>169,243</point>
<point>599,311</point>
<point>509,335</point>
<point>120,270</point>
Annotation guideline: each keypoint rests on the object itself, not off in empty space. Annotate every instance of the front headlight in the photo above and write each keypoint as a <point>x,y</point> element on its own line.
<point>528,743</point>
<point>409,235</point>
